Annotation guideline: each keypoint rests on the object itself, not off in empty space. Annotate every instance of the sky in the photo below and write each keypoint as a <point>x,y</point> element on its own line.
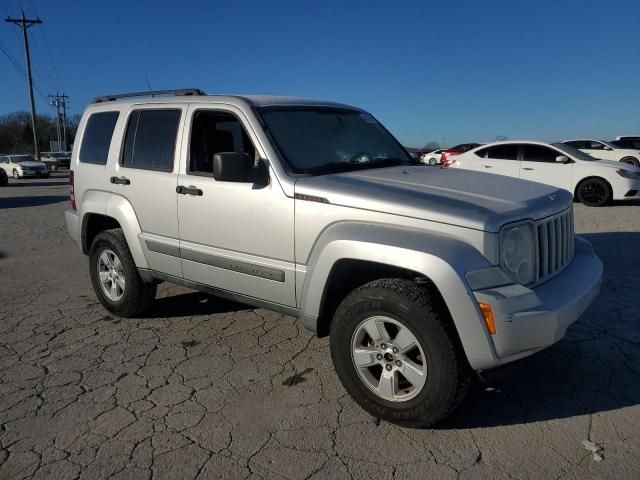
<point>430,70</point>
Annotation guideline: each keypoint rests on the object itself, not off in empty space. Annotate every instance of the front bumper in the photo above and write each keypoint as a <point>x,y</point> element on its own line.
<point>33,173</point>
<point>528,320</point>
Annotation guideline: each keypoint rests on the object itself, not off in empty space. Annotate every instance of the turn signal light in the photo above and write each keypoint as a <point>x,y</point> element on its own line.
<point>487,315</point>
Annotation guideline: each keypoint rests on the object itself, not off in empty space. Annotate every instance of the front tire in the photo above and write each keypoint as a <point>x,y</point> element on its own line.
<point>396,353</point>
<point>16,175</point>
<point>53,167</point>
<point>594,192</point>
<point>432,161</point>
<point>115,277</point>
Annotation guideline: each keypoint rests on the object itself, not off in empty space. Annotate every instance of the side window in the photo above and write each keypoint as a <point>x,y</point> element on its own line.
<point>150,140</point>
<point>214,132</point>
<point>97,137</point>
<point>4,159</point>
<point>502,152</point>
<point>593,145</point>
<point>539,153</point>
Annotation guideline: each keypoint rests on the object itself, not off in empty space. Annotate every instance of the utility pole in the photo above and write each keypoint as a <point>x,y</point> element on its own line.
<point>56,103</point>
<point>60,102</point>
<point>64,121</point>
<point>25,23</point>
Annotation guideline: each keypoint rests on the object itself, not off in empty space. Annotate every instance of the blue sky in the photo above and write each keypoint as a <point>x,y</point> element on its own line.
<point>464,70</point>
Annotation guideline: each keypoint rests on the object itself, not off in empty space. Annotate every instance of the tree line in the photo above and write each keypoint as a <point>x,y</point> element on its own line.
<point>16,134</point>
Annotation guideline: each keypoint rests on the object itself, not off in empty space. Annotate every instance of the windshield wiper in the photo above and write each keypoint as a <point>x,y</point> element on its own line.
<point>346,165</point>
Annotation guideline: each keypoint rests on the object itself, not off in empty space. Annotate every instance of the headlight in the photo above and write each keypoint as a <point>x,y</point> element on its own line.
<point>629,174</point>
<point>517,253</point>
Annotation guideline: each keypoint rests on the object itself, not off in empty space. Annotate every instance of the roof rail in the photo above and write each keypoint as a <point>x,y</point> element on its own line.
<point>182,92</point>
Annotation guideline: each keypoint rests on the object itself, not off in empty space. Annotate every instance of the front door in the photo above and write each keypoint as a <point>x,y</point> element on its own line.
<point>234,236</point>
<point>539,165</point>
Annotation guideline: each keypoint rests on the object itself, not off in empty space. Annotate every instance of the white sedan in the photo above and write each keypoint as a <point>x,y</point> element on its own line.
<point>20,166</point>
<point>432,158</point>
<point>606,150</point>
<point>592,181</point>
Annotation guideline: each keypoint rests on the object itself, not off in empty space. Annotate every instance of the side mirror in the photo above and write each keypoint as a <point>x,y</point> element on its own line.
<point>237,167</point>
<point>562,159</point>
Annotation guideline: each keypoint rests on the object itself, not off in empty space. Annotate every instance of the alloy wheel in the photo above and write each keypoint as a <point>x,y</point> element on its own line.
<point>111,275</point>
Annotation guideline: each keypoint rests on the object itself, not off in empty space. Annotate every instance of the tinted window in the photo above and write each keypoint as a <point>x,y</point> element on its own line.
<point>214,132</point>
<point>4,159</point>
<point>633,144</point>
<point>150,140</point>
<point>577,144</point>
<point>538,153</point>
<point>502,152</point>
<point>593,145</point>
<point>97,137</point>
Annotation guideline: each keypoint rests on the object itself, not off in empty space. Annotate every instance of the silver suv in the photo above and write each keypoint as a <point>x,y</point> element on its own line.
<point>420,276</point>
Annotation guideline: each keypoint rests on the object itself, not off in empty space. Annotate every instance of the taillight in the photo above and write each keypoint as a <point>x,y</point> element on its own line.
<point>72,195</point>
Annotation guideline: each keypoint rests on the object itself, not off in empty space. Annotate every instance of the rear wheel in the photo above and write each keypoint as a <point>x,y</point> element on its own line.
<point>631,160</point>
<point>396,354</point>
<point>594,192</point>
<point>115,277</point>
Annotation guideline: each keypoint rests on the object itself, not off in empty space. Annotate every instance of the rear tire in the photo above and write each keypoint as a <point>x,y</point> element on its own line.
<point>409,311</point>
<point>130,297</point>
<point>594,192</point>
<point>631,160</point>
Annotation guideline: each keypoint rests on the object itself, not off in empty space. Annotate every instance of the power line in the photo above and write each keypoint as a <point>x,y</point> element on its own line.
<point>43,34</point>
<point>25,24</point>
<point>15,63</point>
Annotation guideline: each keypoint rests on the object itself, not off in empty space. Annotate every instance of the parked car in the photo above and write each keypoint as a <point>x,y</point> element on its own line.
<point>420,276</point>
<point>20,166</point>
<point>628,137</point>
<point>4,178</point>
<point>628,143</point>
<point>432,158</point>
<point>457,150</point>
<point>56,160</point>
<point>606,150</point>
<point>593,182</point>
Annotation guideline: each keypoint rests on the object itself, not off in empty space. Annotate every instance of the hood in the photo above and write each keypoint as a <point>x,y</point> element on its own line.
<point>30,163</point>
<point>482,201</point>
<point>611,164</point>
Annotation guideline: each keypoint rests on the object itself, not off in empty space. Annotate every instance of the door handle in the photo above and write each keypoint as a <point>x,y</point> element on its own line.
<point>487,166</point>
<point>527,168</point>
<point>190,190</point>
<point>120,180</point>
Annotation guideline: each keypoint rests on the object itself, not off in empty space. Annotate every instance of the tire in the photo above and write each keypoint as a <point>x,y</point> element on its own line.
<point>594,192</point>
<point>54,167</point>
<point>16,175</point>
<point>631,160</point>
<point>136,297</point>
<point>420,312</point>
<point>432,161</point>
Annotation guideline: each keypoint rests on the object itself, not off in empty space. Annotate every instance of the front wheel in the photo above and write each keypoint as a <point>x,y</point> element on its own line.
<point>16,174</point>
<point>53,167</point>
<point>397,355</point>
<point>432,161</point>
<point>115,277</point>
<point>594,192</point>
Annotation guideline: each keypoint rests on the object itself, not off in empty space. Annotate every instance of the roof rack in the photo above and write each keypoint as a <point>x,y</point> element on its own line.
<point>183,92</point>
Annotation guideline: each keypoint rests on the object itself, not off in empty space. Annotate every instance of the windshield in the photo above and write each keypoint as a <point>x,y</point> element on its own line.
<point>23,158</point>
<point>574,152</point>
<point>59,155</point>
<point>318,140</point>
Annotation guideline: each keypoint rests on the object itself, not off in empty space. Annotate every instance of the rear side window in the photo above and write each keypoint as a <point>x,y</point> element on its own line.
<point>538,153</point>
<point>97,137</point>
<point>501,152</point>
<point>150,140</point>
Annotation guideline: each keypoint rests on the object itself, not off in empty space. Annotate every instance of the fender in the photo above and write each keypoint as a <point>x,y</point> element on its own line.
<point>119,208</point>
<point>441,258</point>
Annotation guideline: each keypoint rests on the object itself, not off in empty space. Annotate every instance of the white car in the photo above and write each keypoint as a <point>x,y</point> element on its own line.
<point>20,166</point>
<point>606,150</point>
<point>593,182</point>
<point>432,158</point>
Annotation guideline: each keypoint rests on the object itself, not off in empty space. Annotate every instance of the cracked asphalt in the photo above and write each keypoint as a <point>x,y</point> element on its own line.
<point>204,388</point>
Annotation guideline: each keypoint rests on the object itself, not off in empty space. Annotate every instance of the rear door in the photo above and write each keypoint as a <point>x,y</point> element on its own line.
<point>539,165</point>
<point>146,175</point>
<point>499,159</point>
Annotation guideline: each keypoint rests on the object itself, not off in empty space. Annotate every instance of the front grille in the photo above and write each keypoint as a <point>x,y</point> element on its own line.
<point>556,244</point>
